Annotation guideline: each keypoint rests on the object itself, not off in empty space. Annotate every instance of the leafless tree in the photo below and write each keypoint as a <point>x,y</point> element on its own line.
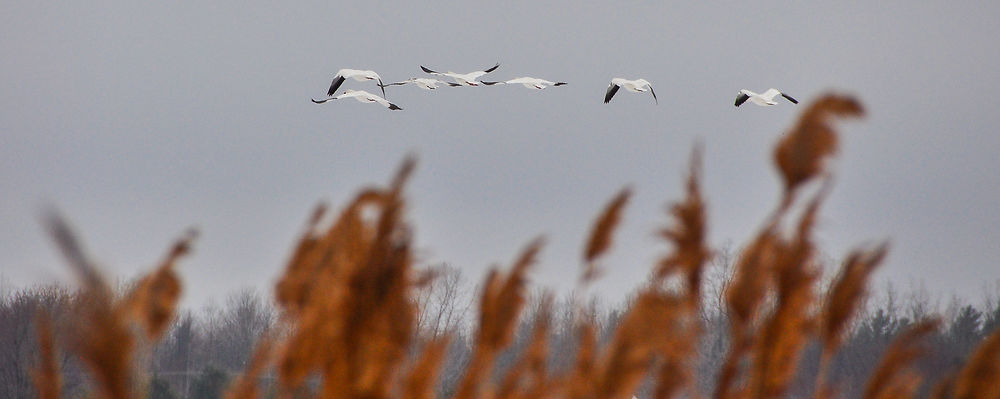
<point>231,332</point>
<point>18,344</point>
<point>174,356</point>
<point>443,303</point>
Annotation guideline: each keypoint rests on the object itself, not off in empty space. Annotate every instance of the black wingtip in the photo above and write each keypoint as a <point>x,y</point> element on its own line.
<point>381,86</point>
<point>453,84</point>
<point>741,98</point>
<point>426,70</point>
<point>493,68</point>
<point>789,98</point>
<point>488,83</point>
<point>612,89</point>
<point>337,81</point>
<point>317,101</point>
<point>394,107</point>
<point>559,83</point>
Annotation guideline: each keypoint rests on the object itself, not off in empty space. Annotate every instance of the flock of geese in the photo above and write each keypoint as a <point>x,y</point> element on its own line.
<point>472,79</point>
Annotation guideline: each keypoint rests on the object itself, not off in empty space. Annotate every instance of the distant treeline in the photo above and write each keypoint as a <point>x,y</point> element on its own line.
<point>204,350</point>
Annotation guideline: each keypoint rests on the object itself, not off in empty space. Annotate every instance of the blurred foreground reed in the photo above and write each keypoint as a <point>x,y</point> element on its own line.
<point>349,317</point>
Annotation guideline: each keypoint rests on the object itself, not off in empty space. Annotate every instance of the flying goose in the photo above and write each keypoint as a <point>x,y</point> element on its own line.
<point>765,99</point>
<point>465,79</point>
<point>362,96</point>
<point>423,83</point>
<point>638,86</point>
<point>531,83</point>
<point>355,74</point>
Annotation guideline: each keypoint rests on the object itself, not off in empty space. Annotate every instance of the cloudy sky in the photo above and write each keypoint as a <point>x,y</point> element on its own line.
<point>138,121</point>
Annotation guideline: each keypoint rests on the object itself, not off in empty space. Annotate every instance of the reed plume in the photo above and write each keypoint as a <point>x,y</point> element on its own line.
<point>801,153</point>
<point>785,333</point>
<point>601,234</point>
<point>688,234</point>
<point>153,301</point>
<point>349,289</point>
<point>500,305</point>
<point>842,302</point>
<point>894,377</point>
<point>103,338</point>
<point>980,378</point>
<point>846,293</point>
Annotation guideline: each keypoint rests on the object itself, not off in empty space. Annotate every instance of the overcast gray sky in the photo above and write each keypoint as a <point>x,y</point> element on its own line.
<point>139,120</point>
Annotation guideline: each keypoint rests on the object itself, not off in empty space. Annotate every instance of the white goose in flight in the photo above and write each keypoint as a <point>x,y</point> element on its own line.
<point>638,86</point>
<point>531,83</point>
<point>362,96</point>
<point>765,99</point>
<point>355,74</point>
<point>423,83</point>
<point>465,79</point>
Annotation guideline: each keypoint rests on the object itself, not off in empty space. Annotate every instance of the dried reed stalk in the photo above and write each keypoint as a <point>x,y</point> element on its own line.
<point>46,375</point>
<point>291,291</point>
<point>378,311</point>
<point>347,296</point>
<point>682,329</point>
<point>659,325</point>
<point>349,289</point>
<point>802,151</point>
<point>842,302</point>
<point>153,301</point>
<point>945,387</point>
<point>894,377</point>
<point>580,382</point>
<point>786,332</point>
<point>314,285</point>
<point>688,234</point>
<point>846,293</point>
<point>601,234</point>
<point>528,377</point>
<point>980,378</point>
<point>745,295</point>
<point>102,339</point>
<point>420,382</point>
<point>500,305</point>
<point>786,265</point>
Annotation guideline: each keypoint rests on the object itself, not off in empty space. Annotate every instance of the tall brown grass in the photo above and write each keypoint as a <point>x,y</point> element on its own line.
<point>894,378</point>
<point>601,234</point>
<point>47,373</point>
<point>103,335</point>
<point>347,297</point>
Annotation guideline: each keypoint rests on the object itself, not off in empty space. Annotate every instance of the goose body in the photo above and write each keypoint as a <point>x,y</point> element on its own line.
<point>636,86</point>
<point>765,99</point>
<point>423,83</point>
<point>534,83</point>
<point>362,96</point>
<point>465,79</point>
<point>355,74</point>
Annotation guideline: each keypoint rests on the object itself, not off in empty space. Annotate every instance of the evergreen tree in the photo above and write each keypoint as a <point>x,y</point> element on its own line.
<point>160,389</point>
<point>210,384</point>
<point>964,332</point>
